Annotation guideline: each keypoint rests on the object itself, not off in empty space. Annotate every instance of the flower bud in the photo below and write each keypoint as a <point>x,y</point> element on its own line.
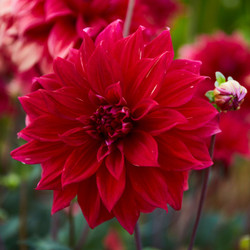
<point>229,95</point>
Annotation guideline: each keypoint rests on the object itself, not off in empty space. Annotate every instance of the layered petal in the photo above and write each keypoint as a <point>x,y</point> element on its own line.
<point>62,198</point>
<point>141,149</point>
<point>178,88</point>
<point>81,163</point>
<point>110,188</point>
<point>150,185</point>
<point>161,120</point>
<point>91,205</point>
<point>35,152</point>
<point>126,210</point>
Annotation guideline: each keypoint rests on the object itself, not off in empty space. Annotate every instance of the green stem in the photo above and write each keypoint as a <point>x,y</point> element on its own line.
<point>137,237</point>
<point>128,18</point>
<point>203,195</point>
<point>71,227</point>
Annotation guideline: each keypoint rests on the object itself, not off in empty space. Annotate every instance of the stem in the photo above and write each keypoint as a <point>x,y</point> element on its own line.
<point>23,215</point>
<point>137,237</point>
<point>71,227</point>
<point>128,18</point>
<point>203,195</point>
<point>54,226</point>
<point>2,247</point>
<point>83,238</point>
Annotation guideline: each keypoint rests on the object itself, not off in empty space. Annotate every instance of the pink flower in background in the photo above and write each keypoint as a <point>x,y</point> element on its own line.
<point>161,10</point>
<point>118,126</point>
<point>112,241</point>
<point>230,55</point>
<point>232,139</point>
<point>41,30</point>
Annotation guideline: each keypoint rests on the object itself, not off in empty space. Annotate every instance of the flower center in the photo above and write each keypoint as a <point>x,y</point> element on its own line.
<point>111,122</point>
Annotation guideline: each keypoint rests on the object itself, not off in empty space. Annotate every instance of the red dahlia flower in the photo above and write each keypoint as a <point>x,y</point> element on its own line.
<point>118,127</point>
<point>52,27</point>
<point>231,56</point>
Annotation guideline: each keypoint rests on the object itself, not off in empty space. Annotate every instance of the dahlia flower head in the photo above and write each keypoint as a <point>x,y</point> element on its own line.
<point>118,126</point>
<point>230,55</point>
<point>52,27</point>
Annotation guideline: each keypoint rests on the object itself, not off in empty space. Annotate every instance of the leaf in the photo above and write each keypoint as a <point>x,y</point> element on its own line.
<point>210,95</point>
<point>220,78</point>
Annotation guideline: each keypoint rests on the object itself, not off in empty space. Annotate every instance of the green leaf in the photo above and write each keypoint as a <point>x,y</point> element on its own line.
<point>210,95</point>
<point>220,78</point>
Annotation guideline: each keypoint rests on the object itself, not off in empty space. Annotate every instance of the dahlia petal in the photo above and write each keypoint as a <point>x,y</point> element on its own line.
<point>208,129</point>
<point>102,72</point>
<point>48,82</point>
<point>160,120</point>
<point>129,50</point>
<point>33,19</point>
<point>109,188</point>
<point>102,152</point>
<point>51,173</point>
<point>149,80</point>
<point>150,184</point>
<point>67,73</point>
<point>35,152</point>
<point>199,150</point>
<point>198,112</point>
<point>142,108</point>
<point>96,99</point>
<point>175,155</point>
<point>33,104</point>
<point>178,88</point>
<point>141,149</point>
<point>90,202</point>
<point>74,137</point>
<point>97,26</point>
<point>50,183</point>
<point>81,164</point>
<point>115,163</point>
<point>159,45</point>
<point>67,103</point>
<point>177,183</point>
<point>21,54</point>
<point>126,210</point>
<point>113,94</point>
<point>62,37</point>
<point>47,128</point>
<point>54,8</point>
<point>22,5</point>
<point>86,50</point>
<point>110,35</point>
<point>143,205</point>
<point>62,198</point>
<point>184,64</point>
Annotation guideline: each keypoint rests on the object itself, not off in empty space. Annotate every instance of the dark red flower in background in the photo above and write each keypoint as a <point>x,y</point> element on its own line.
<point>118,126</point>
<point>113,241</point>
<point>4,98</point>
<point>44,29</point>
<point>231,56</point>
